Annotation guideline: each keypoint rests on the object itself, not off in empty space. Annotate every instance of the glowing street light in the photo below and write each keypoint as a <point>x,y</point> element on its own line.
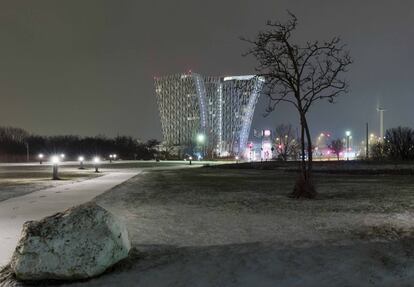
<point>190,158</point>
<point>55,163</point>
<point>237,159</point>
<point>96,161</point>
<point>201,138</point>
<point>40,156</point>
<point>81,159</point>
<point>110,158</point>
<point>62,156</point>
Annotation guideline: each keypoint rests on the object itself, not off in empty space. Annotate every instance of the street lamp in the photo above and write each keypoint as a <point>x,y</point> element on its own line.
<point>110,158</point>
<point>81,159</point>
<point>348,136</point>
<point>201,138</point>
<point>62,156</point>
<point>55,162</point>
<point>40,156</point>
<point>190,158</point>
<point>237,159</point>
<point>96,162</point>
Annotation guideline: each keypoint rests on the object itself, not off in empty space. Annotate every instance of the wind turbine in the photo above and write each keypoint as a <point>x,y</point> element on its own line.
<point>381,110</point>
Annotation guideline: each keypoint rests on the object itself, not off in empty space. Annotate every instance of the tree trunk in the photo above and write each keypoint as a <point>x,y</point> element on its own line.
<point>304,187</point>
<point>310,152</point>
<point>302,146</point>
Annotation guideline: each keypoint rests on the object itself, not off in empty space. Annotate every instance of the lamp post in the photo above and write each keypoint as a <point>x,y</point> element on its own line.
<point>81,159</point>
<point>27,152</point>
<point>348,135</point>
<point>190,158</point>
<point>237,159</point>
<point>55,163</point>
<point>201,138</point>
<point>96,162</point>
<point>40,156</point>
<point>62,156</point>
<point>110,158</point>
<point>114,156</point>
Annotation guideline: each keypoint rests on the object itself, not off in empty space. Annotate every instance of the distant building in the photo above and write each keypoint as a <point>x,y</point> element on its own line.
<point>210,116</point>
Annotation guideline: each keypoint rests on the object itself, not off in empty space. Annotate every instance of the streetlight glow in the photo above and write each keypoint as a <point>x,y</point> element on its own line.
<point>81,159</point>
<point>96,161</point>
<point>348,133</point>
<point>201,138</point>
<point>55,159</point>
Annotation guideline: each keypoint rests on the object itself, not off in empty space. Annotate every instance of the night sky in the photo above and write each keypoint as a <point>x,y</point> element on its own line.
<point>87,67</point>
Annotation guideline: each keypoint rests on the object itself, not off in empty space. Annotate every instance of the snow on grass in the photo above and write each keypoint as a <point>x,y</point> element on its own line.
<point>18,181</point>
<point>227,227</point>
<point>236,227</point>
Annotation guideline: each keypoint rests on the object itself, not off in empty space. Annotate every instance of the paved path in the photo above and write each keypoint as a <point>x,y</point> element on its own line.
<point>15,211</point>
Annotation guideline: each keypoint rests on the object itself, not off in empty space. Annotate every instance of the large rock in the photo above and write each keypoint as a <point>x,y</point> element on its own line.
<point>79,243</point>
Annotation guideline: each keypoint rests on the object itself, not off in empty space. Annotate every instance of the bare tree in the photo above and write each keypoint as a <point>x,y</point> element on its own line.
<point>301,75</point>
<point>400,143</point>
<point>285,141</point>
<point>379,151</point>
<point>337,146</point>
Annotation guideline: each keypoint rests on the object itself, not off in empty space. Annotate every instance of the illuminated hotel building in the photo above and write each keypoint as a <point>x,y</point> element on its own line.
<point>218,108</point>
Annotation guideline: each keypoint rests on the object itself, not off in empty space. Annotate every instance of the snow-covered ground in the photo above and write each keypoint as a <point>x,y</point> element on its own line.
<point>232,227</point>
<point>17,179</point>
<point>214,227</point>
<point>20,180</point>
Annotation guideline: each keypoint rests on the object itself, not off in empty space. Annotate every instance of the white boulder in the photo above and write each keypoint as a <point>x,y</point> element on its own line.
<point>79,243</point>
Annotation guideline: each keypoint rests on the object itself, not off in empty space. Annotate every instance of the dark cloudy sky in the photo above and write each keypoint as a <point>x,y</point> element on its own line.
<point>86,67</point>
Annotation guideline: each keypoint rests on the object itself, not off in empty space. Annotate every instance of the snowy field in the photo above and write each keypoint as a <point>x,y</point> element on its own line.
<point>20,180</point>
<point>236,227</point>
<point>228,227</point>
